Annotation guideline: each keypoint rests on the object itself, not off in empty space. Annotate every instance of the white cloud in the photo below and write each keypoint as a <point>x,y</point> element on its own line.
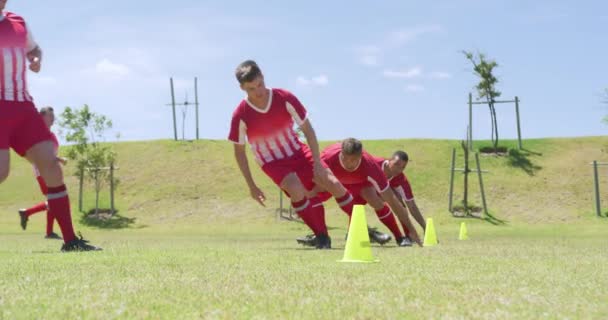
<point>414,88</point>
<point>107,67</point>
<point>370,55</point>
<point>403,36</point>
<point>440,75</point>
<point>404,74</point>
<point>318,81</point>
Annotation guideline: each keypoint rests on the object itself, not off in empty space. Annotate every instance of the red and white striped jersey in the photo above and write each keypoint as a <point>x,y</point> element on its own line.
<point>15,42</point>
<point>270,132</point>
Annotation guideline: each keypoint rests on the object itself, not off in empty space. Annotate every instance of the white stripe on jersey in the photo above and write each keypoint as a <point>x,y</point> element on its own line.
<point>264,151</point>
<point>9,94</point>
<point>292,138</point>
<point>19,65</point>
<point>285,144</point>
<point>275,148</point>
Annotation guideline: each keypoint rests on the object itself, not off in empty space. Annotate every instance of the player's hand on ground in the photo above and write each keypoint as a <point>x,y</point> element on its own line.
<point>258,195</point>
<point>416,238</point>
<point>35,65</point>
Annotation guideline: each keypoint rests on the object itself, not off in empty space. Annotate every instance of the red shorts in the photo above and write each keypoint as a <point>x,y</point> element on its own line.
<point>301,165</point>
<point>42,185</point>
<point>353,189</point>
<point>21,126</point>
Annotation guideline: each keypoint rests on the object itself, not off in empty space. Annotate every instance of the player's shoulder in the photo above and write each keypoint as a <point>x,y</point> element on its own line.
<point>283,93</point>
<point>13,17</point>
<point>240,108</point>
<point>332,149</point>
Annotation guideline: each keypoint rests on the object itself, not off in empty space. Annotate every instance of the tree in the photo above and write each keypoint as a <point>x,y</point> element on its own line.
<point>85,130</point>
<point>486,88</point>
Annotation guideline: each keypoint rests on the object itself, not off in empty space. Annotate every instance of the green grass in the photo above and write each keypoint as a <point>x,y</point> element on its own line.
<point>189,243</point>
<point>244,272</point>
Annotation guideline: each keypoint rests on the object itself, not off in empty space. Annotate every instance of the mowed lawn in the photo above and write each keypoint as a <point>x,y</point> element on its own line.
<point>230,271</point>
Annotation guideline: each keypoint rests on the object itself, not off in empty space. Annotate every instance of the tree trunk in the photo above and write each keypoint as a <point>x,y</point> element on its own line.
<point>96,193</point>
<point>465,200</point>
<point>495,128</point>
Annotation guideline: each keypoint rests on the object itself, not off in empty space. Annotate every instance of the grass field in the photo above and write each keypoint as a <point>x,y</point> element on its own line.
<point>190,244</point>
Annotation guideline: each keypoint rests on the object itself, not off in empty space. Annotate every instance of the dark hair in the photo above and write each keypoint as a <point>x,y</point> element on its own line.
<point>352,146</point>
<point>402,155</point>
<point>46,110</point>
<point>247,71</point>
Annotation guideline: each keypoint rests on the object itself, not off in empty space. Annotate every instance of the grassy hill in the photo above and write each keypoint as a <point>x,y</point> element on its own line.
<point>166,183</point>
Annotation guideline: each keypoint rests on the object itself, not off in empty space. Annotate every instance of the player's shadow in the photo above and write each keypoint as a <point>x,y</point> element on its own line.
<point>104,220</point>
<point>521,159</point>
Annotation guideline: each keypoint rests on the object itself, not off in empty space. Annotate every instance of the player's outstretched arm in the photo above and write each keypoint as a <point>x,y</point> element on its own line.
<point>241,158</point>
<point>389,197</point>
<point>416,213</point>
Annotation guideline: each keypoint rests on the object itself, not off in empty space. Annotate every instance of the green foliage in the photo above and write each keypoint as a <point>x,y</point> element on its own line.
<point>85,130</point>
<point>486,88</point>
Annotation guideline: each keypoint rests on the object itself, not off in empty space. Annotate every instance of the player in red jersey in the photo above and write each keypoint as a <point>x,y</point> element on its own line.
<point>359,172</point>
<point>266,119</point>
<point>393,169</point>
<point>22,128</point>
<point>48,116</point>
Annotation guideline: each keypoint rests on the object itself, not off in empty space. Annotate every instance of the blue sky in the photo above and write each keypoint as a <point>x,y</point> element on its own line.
<point>381,69</point>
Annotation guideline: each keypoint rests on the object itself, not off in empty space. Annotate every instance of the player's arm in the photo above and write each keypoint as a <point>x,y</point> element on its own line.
<point>404,193</point>
<point>389,197</point>
<point>311,140</point>
<point>241,158</point>
<point>34,53</point>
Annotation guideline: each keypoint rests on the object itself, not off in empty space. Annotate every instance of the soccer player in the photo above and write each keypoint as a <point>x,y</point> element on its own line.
<point>265,119</point>
<point>48,116</point>
<point>394,171</point>
<point>361,175</point>
<point>22,128</point>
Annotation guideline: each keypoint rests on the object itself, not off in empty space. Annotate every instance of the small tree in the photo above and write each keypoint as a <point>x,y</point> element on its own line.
<point>486,88</point>
<point>85,130</point>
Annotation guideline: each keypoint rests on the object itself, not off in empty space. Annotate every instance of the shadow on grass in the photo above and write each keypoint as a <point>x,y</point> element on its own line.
<point>475,212</point>
<point>521,159</point>
<point>105,220</point>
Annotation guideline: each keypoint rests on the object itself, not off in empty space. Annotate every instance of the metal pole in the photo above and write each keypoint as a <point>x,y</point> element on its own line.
<point>470,121</point>
<point>598,209</point>
<point>173,105</point>
<point>452,178</point>
<point>112,187</point>
<point>518,124</point>
<point>196,103</point>
<point>483,194</point>
<point>80,190</point>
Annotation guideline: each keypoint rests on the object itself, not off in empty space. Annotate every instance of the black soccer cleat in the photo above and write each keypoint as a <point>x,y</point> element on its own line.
<point>24,218</point>
<point>53,235</point>
<point>308,240</point>
<point>323,242</point>
<point>78,244</point>
<point>377,236</point>
<point>404,242</point>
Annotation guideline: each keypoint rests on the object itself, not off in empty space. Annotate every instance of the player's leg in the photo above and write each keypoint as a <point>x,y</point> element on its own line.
<point>34,142</point>
<point>384,213</point>
<point>332,185</point>
<point>310,210</point>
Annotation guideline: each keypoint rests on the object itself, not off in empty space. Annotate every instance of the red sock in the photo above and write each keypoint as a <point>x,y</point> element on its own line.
<point>386,216</point>
<point>35,209</point>
<point>405,229</point>
<point>306,212</point>
<point>50,219</point>
<point>319,210</point>
<point>346,203</point>
<point>59,205</point>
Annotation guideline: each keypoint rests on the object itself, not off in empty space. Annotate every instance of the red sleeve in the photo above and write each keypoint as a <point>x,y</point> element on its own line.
<point>375,175</point>
<point>238,129</point>
<point>401,184</point>
<point>294,107</point>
